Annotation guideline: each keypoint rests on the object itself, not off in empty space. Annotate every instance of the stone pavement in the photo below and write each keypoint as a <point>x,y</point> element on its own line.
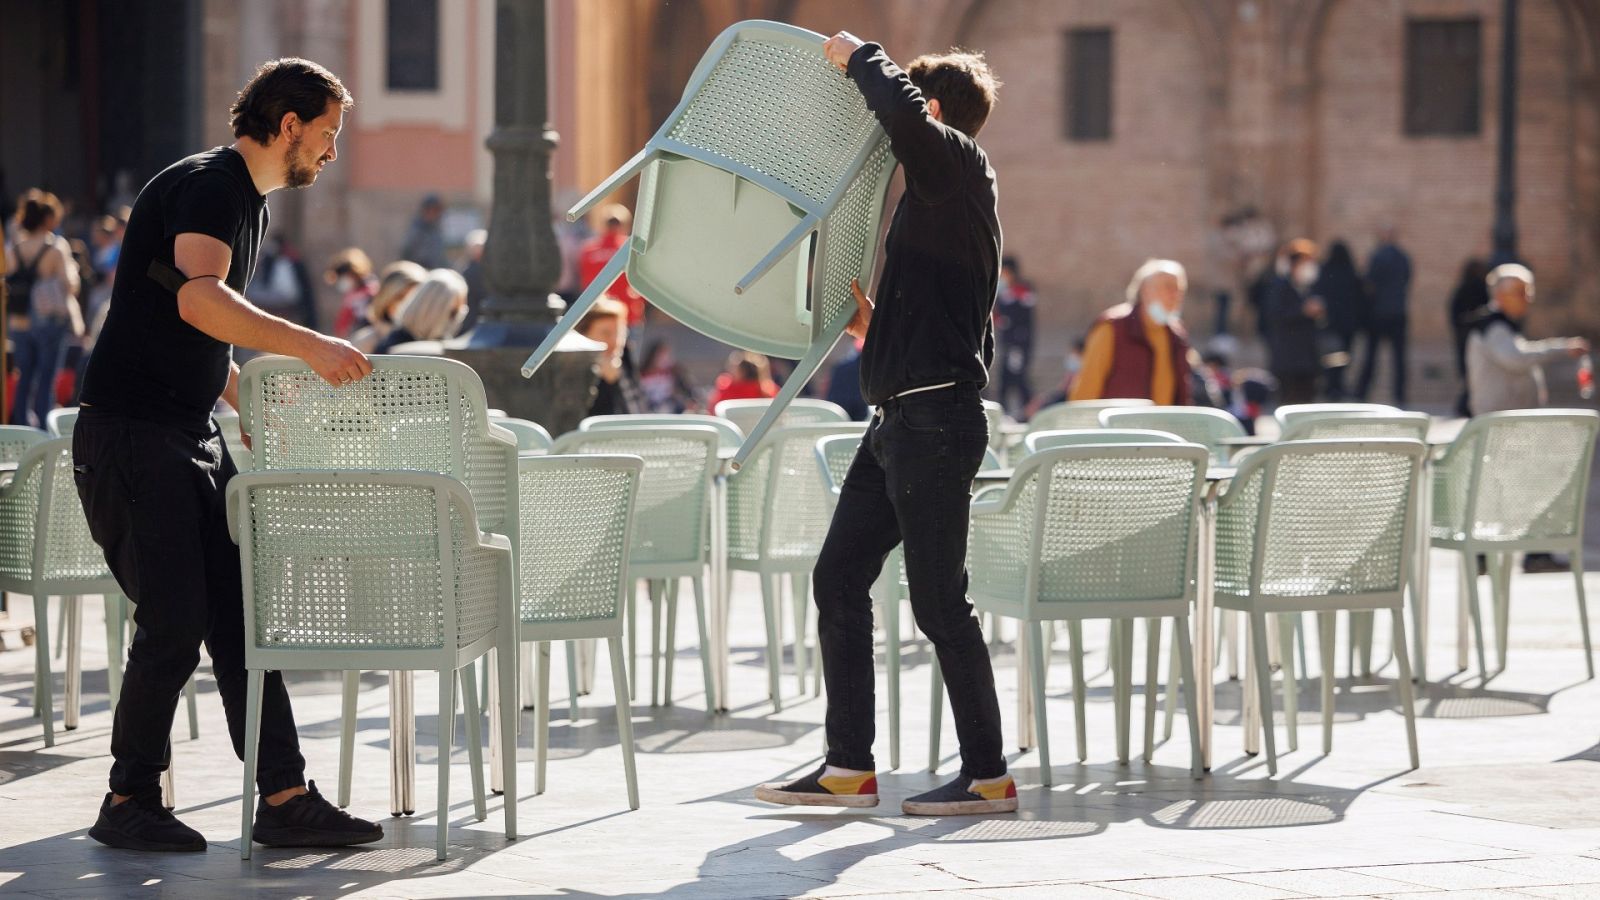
<point>1505,804</point>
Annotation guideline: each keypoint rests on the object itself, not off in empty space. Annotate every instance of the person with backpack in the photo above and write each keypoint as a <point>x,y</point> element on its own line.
<point>42,284</point>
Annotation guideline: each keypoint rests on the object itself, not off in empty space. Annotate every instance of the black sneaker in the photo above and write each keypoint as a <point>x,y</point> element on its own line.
<point>309,820</point>
<point>817,789</point>
<point>961,798</point>
<point>1539,563</point>
<point>142,823</point>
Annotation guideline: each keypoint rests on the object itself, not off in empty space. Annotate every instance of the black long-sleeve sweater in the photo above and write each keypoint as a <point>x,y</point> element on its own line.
<point>934,301</point>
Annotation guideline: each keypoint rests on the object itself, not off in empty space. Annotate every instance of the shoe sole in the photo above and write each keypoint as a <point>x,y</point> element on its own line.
<point>124,842</point>
<point>959,807</point>
<point>771,794</point>
<point>310,837</point>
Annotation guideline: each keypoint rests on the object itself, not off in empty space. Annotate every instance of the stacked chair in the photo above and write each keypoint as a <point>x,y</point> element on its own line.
<point>1207,427</point>
<point>1076,414</point>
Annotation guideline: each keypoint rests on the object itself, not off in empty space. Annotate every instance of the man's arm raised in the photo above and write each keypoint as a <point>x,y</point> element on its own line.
<point>211,306</point>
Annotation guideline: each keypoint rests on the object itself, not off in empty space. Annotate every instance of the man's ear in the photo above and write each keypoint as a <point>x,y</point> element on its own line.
<point>933,109</point>
<point>287,124</point>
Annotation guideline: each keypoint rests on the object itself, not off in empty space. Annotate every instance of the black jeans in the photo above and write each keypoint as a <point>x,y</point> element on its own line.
<point>154,498</point>
<point>1393,333</point>
<point>911,481</point>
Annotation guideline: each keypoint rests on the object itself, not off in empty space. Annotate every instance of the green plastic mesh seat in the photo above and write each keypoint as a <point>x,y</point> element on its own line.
<point>1093,532</point>
<point>671,528</point>
<point>1335,426</point>
<point>371,570</point>
<point>1197,424</point>
<point>1288,415</point>
<point>760,200</point>
<point>46,551</point>
<point>60,422</point>
<point>1076,414</point>
<point>1319,526</point>
<point>17,440</point>
<point>746,415</point>
<point>531,436</point>
<point>729,437</point>
<point>1079,437</point>
<point>778,515</point>
<point>577,520</point>
<point>1515,482</point>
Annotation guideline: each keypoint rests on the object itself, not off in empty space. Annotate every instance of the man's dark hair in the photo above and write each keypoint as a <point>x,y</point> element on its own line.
<point>963,85</point>
<point>288,85</point>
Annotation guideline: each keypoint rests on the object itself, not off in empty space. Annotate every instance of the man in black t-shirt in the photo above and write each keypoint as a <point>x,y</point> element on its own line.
<point>152,469</point>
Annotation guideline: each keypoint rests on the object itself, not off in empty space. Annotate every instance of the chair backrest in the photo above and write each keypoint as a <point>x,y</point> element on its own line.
<point>43,532</point>
<point>1076,414</point>
<point>412,412</point>
<point>1078,437</point>
<point>835,453</point>
<point>1201,425</point>
<point>232,435</point>
<point>777,506</point>
<point>577,521</point>
<point>1094,524</point>
<point>17,440</point>
<point>1411,425</point>
<point>1319,519</point>
<point>1521,475</point>
<point>672,512</point>
<point>345,568</point>
<point>728,433</point>
<point>1288,415</point>
<point>744,414</point>
<point>59,421</point>
<point>531,436</point>
<point>996,414</point>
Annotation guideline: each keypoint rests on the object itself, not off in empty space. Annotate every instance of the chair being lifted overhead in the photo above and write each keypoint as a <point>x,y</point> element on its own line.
<point>760,200</point>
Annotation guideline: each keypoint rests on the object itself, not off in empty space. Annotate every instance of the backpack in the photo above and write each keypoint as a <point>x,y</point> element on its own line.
<point>19,284</point>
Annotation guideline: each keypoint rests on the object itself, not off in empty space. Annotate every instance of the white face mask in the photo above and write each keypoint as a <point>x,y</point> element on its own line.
<point>345,284</point>
<point>1307,274</point>
<point>1160,314</point>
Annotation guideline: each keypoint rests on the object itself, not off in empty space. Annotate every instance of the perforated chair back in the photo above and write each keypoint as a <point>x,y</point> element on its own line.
<point>728,434</point>
<point>531,436</point>
<point>672,512</point>
<point>1320,519</point>
<point>413,412</point>
<point>1409,425</point>
<point>1197,424</point>
<point>1080,437</point>
<point>733,188</point>
<point>1516,480</point>
<point>778,507</point>
<point>45,543</point>
<point>1091,531</point>
<point>1077,414</point>
<point>232,435</point>
<point>577,521</point>
<point>747,414</point>
<point>1288,415</point>
<point>17,440</point>
<point>59,422</point>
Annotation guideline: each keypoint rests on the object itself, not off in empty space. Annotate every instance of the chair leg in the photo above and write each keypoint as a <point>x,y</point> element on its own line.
<point>73,701</point>
<point>44,692</point>
<point>698,584</point>
<point>192,702</point>
<point>399,758</point>
<point>114,615</point>
<point>802,593</point>
<point>1033,632</point>
<point>570,650</point>
<point>657,593</point>
<point>1326,623</point>
<point>1477,618</point>
<point>633,638</point>
<point>624,721</point>
<point>1583,610</point>
<point>447,726</point>
<point>669,644</point>
<point>800,618</point>
<point>1079,716</point>
<point>935,713</point>
<point>1369,621</point>
<point>1185,654</point>
<point>1172,680</point>
<point>525,667</point>
<point>252,740</point>
<point>469,706</point>
<point>1152,674</point>
<point>347,734</point>
<point>1122,681</point>
<point>769,604</point>
<point>1263,673</point>
<point>1407,700</point>
<point>1291,684</point>
<point>1502,608</point>
<point>505,687</point>
<point>542,718</point>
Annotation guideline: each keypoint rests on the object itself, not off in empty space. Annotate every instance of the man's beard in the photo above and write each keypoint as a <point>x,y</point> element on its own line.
<point>298,174</point>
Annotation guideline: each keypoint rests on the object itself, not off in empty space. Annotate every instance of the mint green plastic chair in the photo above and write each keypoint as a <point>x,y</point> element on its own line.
<point>1197,424</point>
<point>59,422</point>
<point>531,436</point>
<point>671,529</point>
<point>232,435</point>
<point>1105,531</point>
<point>729,437</point>
<point>417,413</point>
<point>1288,415</point>
<point>1077,414</point>
<point>746,415</point>
<point>754,214</point>
<point>390,570</point>
<point>1318,526</point>
<point>577,520</point>
<point>778,515</point>
<point>1515,482</point>
<point>1358,425</point>
<point>1080,437</point>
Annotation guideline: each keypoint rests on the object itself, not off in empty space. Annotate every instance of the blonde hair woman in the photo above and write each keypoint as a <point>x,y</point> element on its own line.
<point>43,312</point>
<point>395,284</point>
<point>434,311</point>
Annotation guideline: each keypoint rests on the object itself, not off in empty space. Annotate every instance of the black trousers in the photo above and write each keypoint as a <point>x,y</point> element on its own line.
<point>153,495</point>
<point>911,482</point>
<point>1393,333</point>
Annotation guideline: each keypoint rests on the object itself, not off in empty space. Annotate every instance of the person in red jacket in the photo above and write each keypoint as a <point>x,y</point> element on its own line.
<point>748,377</point>
<point>598,250</point>
<point>1139,349</point>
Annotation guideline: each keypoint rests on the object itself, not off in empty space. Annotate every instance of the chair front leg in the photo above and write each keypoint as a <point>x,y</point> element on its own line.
<point>1263,678</point>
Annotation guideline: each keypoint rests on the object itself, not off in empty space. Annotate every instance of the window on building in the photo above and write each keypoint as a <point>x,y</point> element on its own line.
<point>1088,93</point>
<point>1444,73</point>
<point>412,31</point>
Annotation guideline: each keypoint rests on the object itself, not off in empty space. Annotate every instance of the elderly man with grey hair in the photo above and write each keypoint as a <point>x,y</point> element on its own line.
<point>1504,369</point>
<point>1139,349</point>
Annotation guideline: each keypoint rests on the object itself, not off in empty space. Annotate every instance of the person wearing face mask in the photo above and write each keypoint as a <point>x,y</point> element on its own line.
<point>350,273</point>
<point>433,312</point>
<point>1295,316</point>
<point>616,389</point>
<point>1139,349</point>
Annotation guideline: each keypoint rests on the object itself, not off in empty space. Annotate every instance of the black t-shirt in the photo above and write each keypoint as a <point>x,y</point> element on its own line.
<point>149,363</point>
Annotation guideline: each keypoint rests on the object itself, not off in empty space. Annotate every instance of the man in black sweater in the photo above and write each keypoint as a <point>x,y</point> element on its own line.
<point>926,357</point>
